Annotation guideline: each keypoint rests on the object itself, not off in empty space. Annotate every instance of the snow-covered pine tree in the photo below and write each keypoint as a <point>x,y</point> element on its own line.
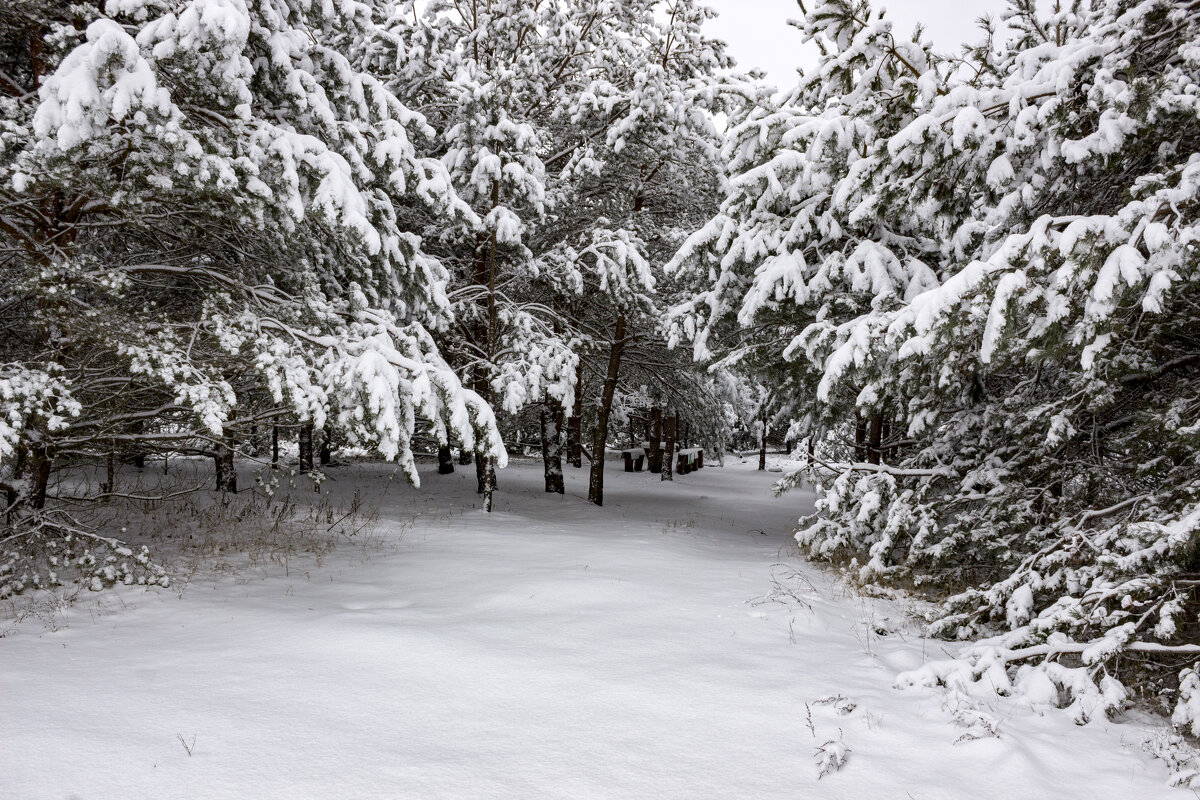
<point>995,252</point>
<point>202,229</point>
<point>550,113</point>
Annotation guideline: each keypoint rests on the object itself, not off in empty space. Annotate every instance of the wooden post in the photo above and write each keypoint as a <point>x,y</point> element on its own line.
<point>669,425</point>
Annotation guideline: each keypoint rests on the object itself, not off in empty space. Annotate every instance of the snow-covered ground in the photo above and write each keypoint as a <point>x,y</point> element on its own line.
<point>551,649</point>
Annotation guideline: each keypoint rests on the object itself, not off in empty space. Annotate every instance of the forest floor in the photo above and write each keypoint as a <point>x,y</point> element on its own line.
<point>668,645</point>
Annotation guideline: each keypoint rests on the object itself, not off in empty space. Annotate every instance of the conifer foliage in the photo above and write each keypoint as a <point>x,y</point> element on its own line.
<point>978,272</point>
<point>202,231</point>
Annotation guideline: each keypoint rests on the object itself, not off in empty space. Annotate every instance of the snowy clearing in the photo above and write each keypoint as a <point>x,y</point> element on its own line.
<point>551,649</point>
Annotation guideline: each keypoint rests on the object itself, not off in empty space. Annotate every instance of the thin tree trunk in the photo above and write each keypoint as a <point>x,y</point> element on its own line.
<point>139,458</point>
<point>668,467</point>
<point>552,418</point>
<point>654,457</point>
<point>860,437</point>
<point>110,470</point>
<point>326,449</point>
<point>445,460</point>
<point>762,448</point>
<point>489,485</point>
<point>226,474</point>
<point>599,440</point>
<point>464,457</point>
<point>274,447</point>
<point>39,464</point>
<point>306,447</point>
<point>575,423</point>
<point>480,473</point>
<point>873,451</point>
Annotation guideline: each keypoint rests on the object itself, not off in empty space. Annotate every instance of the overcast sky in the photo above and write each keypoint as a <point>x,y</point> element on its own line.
<point>759,36</point>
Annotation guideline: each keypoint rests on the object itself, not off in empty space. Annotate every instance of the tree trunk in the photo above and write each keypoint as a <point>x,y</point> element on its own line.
<point>552,417</point>
<point>762,445</point>
<point>489,483</point>
<point>110,470</point>
<point>274,447</point>
<point>575,423</point>
<point>226,474</point>
<point>445,460</point>
<point>860,437</point>
<point>873,451</point>
<point>480,473</point>
<point>668,466</point>
<point>138,458</point>
<point>306,447</point>
<point>599,440</point>
<point>39,464</point>
<point>654,457</point>
<point>326,449</point>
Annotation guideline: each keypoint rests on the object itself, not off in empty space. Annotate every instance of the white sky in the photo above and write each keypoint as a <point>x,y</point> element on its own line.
<point>759,36</point>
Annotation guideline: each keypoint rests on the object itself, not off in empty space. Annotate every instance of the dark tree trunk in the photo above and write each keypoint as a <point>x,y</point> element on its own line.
<point>551,418</point>
<point>226,474</point>
<point>110,470</point>
<point>274,447</point>
<point>39,471</point>
<point>480,473</point>
<point>762,445</point>
<point>306,447</point>
<point>326,449</point>
<point>445,460</point>
<point>575,423</point>
<point>464,457</point>
<point>873,451</point>
<point>599,440</point>
<point>860,437</point>
<point>654,457</point>
<point>668,466</point>
<point>139,457</point>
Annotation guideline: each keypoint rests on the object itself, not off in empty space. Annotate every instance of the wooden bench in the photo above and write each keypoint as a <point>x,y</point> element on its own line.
<point>635,459</point>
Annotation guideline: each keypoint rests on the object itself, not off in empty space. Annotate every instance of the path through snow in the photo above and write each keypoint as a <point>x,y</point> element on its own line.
<point>551,649</point>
